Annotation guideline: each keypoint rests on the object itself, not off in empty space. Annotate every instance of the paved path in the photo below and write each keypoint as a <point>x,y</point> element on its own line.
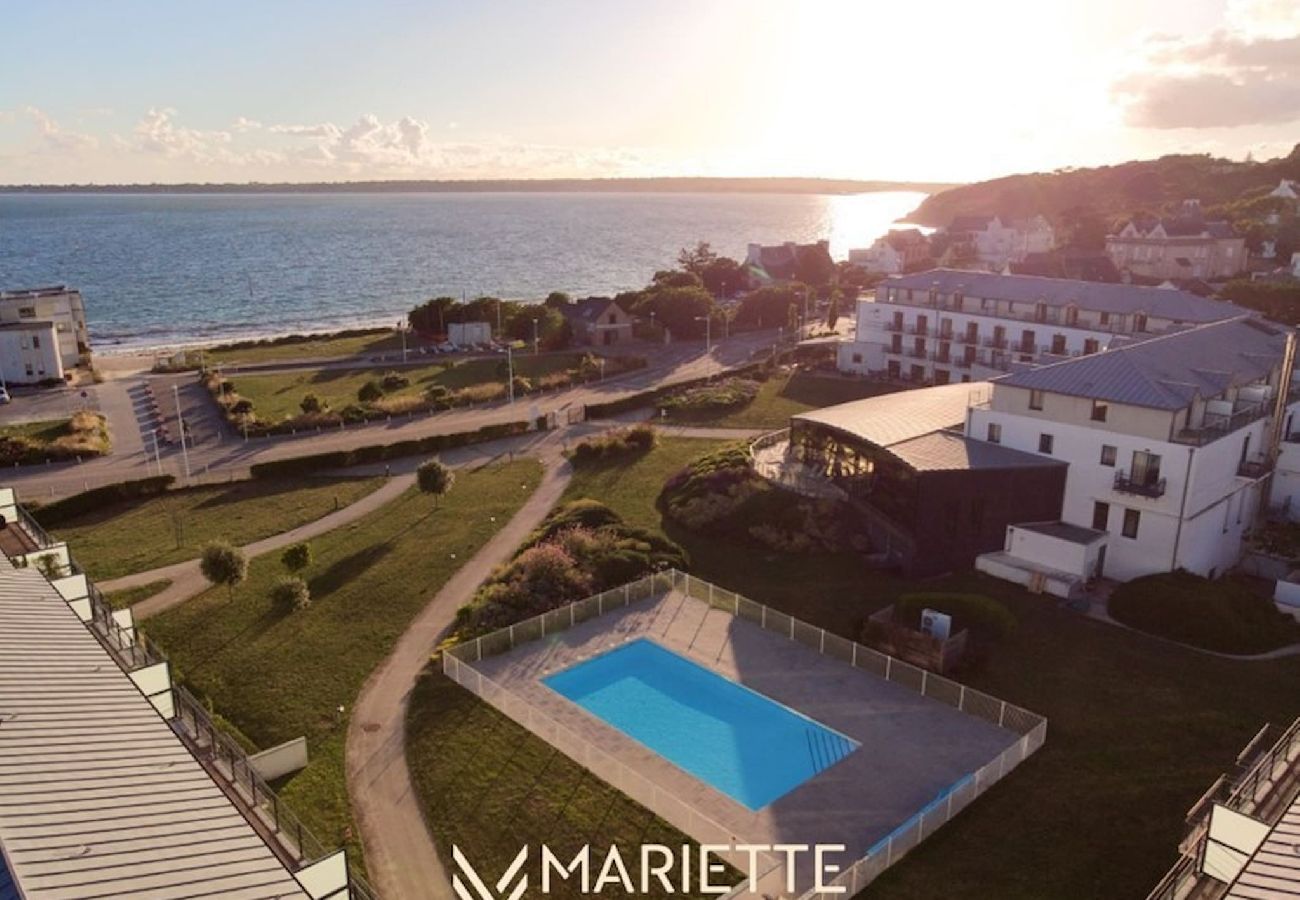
<point>187,581</point>
<point>402,860</point>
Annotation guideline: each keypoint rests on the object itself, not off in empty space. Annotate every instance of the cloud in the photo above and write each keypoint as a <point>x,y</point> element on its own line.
<point>1248,74</point>
<point>158,133</point>
<point>242,125</point>
<point>55,138</point>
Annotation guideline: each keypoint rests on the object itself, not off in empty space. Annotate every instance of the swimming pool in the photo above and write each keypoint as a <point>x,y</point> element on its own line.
<point>747,746</point>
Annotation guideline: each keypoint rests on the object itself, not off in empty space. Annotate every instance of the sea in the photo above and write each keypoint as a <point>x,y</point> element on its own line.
<point>163,270</point>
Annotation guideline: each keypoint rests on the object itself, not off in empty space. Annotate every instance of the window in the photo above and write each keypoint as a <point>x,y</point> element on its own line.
<point>613,318</point>
<point>917,374</point>
<point>941,376</point>
<point>894,369</point>
<point>995,433</point>
<point>1090,345</point>
<point>1100,515</point>
<point>1099,408</point>
<point>1104,318</point>
<point>1035,399</point>
<point>1131,519</point>
<point>1045,442</point>
<point>1058,344</point>
<point>857,358</point>
<point>27,312</point>
<point>1108,455</point>
<point>1040,311</point>
<point>36,342</point>
<point>1146,468</point>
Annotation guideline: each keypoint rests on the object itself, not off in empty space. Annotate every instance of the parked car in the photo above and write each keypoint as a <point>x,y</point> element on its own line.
<point>4,395</point>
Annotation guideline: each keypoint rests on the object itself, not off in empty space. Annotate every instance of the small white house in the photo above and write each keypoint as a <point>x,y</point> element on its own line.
<point>29,353</point>
<point>467,334</point>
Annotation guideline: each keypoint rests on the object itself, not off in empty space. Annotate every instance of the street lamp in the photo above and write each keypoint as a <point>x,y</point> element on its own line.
<point>403,332</point>
<point>534,337</point>
<point>180,427</point>
<point>708,333</point>
<point>510,370</point>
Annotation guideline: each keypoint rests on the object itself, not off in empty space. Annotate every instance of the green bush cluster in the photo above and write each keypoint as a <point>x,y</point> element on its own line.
<point>715,397</point>
<point>722,493</point>
<point>340,459</point>
<point>1224,615</point>
<point>582,548</point>
<point>60,511</point>
<point>654,395</point>
<point>614,444</point>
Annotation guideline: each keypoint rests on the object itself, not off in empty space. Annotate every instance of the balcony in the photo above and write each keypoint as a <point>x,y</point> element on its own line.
<point>1216,426</point>
<point>1145,486</point>
<point>914,353</point>
<point>962,363</point>
<point>922,330</point>
<point>1254,469</point>
<point>896,327</point>
<point>996,343</point>
<point>972,339</point>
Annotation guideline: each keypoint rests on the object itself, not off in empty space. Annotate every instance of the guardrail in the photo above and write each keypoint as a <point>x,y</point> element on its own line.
<point>1032,728</point>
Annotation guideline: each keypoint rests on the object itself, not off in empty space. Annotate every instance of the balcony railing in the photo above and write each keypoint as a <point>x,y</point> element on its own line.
<point>918,329</point>
<point>962,362</point>
<point>964,338</point>
<point>894,326</point>
<point>1217,425</point>
<point>996,343</point>
<point>1254,468</point>
<point>917,354</point>
<point>1146,486</point>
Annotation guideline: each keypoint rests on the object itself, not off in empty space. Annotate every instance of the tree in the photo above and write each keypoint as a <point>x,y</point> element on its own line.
<point>311,404</point>
<point>557,300</point>
<point>370,392</point>
<point>833,310</point>
<point>223,564</point>
<point>434,478</point>
<point>290,595</point>
<point>296,557</point>
<point>723,277</point>
<point>697,259</point>
<point>679,309</point>
<point>768,307</point>
<point>671,278</point>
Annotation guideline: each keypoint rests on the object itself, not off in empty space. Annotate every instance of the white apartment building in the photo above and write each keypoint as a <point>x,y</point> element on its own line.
<point>1170,443</point>
<point>62,306</point>
<point>952,325</point>
<point>1185,246</point>
<point>29,353</point>
<point>894,253</point>
<point>994,243</point>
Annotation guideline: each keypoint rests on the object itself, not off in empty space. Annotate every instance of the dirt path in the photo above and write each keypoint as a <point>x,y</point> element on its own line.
<point>402,860</point>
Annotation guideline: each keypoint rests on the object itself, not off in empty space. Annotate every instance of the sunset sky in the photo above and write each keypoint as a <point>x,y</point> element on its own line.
<point>135,91</point>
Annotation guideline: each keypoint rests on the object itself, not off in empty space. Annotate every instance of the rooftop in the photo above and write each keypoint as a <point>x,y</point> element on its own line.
<point>33,293</point>
<point>587,310</point>
<point>1166,371</point>
<point>1064,531</point>
<point>949,451</point>
<point>891,419</point>
<point>1273,872</point>
<point>1156,302</point>
<point>98,795</point>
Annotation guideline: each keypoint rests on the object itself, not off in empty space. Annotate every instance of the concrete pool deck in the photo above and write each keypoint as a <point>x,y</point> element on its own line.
<point>913,748</point>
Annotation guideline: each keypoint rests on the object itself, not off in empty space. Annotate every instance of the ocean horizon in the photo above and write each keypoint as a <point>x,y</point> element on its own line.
<point>166,270</point>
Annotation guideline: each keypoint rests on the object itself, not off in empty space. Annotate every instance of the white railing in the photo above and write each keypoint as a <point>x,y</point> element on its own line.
<point>1032,728</point>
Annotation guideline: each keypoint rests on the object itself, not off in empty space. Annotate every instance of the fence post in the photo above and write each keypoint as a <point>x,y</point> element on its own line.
<point>889,667</point>
<point>822,648</point>
<point>478,648</point>
<point>512,637</point>
<point>627,596</point>
<point>764,618</point>
<point>792,628</point>
<point>1002,713</point>
<point>925,680</point>
<point>854,658</point>
<point>543,618</point>
<point>571,614</point>
<point>961,699</point>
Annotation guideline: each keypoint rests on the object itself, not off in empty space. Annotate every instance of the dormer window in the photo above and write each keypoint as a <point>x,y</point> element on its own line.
<point>1071,315</point>
<point>957,299</point>
<point>1040,311</point>
<point>1139,321</point>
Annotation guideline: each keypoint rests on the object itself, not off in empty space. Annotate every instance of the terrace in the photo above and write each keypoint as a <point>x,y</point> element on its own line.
<point>927,746</point>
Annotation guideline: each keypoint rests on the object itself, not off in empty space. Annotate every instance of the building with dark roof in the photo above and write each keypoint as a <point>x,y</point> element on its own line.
<point>765,265</point>
<point>948,325</point>
<point>1181,246</point>
<point>598,321</point>
<point>932,498</point>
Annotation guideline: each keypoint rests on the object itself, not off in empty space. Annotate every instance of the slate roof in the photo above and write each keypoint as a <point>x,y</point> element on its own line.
<point>949,451</point>
<point>1167,371</point>
<point>587,310</point>
<point>1075,534</point>
<point>890,419</point>
<point>98,796</point>
<point>1162,303</point>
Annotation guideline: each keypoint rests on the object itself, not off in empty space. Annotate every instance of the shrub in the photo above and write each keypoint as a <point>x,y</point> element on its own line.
<point>296,557</point>
<point>394,381</point>
<point>720,396</point>
<point>311,404</point>
<point>984,616</point>
<point>480,393</point>
<point>241,407</point>
<point>1224,615</point>
<point>438,396</point>
<point>521,385</point>
<point>223,564</point>
<point>434,478</point>
<point>290,595</point>
<point>616,443</point>
<point>370,392</point>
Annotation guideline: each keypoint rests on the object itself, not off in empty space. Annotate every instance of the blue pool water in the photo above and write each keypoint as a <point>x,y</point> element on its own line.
<point>751,748</point>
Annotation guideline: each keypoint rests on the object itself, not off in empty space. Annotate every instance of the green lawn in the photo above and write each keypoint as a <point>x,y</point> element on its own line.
<point>156,531</point>
<point>322,347</point>
<point>788,394</point>
<point>278,396</point>
<point>278,676</point>
<point>489,786</point>
<point>41,432</point>
<point>131,596</point>
<point>1138,729</point>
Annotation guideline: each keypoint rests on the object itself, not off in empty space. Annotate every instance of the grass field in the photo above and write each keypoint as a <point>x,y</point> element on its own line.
<point>156,531</point>
<point>277,676</point>
<point>84,434</point>
<point>131,596</point>
<point>321,347</point>
<point>1138,729</point>
<point>489,786</point>
<point>42,432</point>
<point>277,396</point>
<point>785,395</point>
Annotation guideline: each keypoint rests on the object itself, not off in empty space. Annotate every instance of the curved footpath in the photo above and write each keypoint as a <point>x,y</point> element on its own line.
<point>401,858</point>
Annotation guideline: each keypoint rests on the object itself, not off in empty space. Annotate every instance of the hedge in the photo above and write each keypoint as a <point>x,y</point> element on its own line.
<point>61,511</point>
<point>372,453</point>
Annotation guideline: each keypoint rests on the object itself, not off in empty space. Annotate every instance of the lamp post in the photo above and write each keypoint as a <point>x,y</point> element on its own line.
<point>534,337</point>
<point>708,332</point>
<point>403,332</point>
<point>510,370</point>
<point>180,427</point>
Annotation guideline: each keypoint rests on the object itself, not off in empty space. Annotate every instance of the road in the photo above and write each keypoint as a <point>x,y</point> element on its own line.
<point>214,455</point>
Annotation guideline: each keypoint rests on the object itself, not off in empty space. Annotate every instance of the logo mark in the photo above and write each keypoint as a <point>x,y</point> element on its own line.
<point>480,890</point>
